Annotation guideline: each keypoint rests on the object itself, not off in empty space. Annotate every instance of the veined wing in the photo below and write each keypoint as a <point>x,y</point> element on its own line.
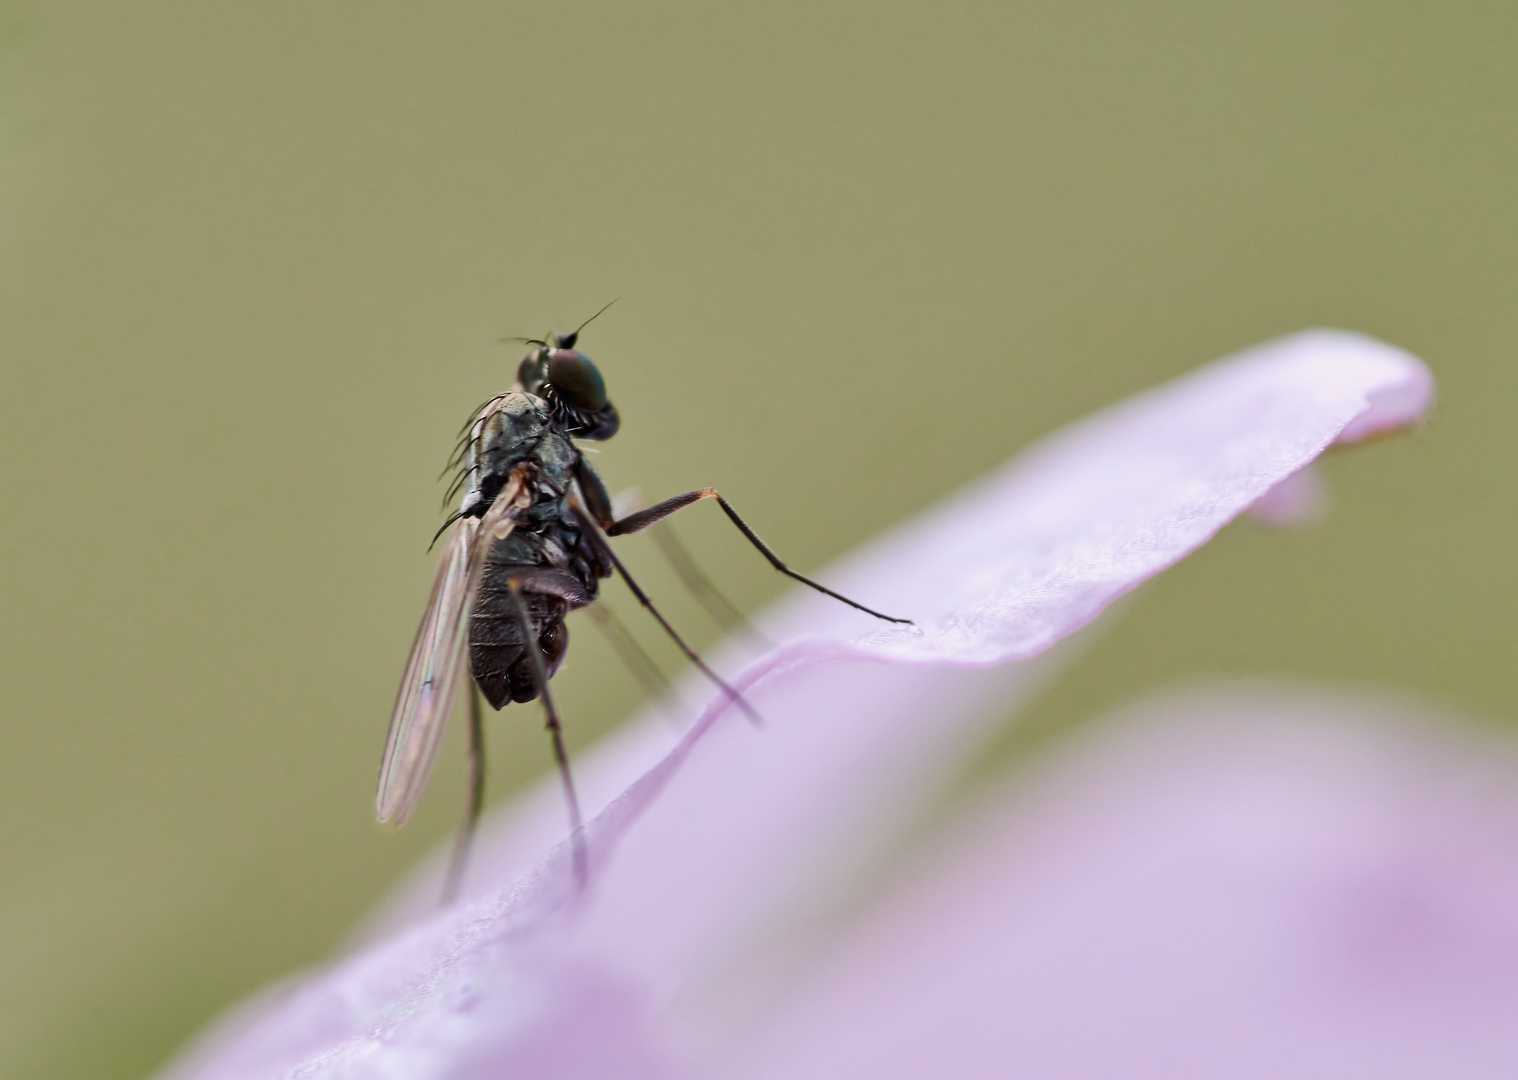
<point>428,688</point>
<point>438,659</point>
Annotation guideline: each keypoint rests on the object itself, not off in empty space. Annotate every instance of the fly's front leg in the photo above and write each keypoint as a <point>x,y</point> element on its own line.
<point>594,494</point>
<point>644,518</point>
<point>722,610</point>
<point>597,504</point>
<point>604,551</point>
<point>718,606</point>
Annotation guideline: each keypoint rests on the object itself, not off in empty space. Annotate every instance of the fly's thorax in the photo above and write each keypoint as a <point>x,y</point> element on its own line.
<point>507,433</point>
<point>556,457</point>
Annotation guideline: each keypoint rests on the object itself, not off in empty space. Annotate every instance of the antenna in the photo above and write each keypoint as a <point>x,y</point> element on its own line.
<point>567,341</point>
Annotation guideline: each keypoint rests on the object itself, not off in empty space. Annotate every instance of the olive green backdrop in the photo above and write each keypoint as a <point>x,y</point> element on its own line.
<point>255,257</point>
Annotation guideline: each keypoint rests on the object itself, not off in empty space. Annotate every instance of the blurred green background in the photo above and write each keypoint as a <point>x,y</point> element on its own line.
<point>254,260</point>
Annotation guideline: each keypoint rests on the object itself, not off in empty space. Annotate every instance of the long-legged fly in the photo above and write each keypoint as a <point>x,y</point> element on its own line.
<point>527,545</point>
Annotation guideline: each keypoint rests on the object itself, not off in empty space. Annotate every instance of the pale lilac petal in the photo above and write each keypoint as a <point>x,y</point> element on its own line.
<point>744,836</point>
<point>1297,500</point>
<point>1248,883</point>
<point>761,829</point>
<point>1018,560</point>
<point>462,996</point>
<point>1037,550</point>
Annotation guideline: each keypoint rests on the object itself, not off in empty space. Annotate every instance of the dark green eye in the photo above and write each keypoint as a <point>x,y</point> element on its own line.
<point>576,379</point>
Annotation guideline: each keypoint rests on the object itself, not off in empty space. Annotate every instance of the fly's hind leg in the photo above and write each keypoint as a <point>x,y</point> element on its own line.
<point>654,514</point>
<point>459,862</point>
<point>515,585</point>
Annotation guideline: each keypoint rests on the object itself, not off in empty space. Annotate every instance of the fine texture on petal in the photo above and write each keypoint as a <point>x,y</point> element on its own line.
<point>744,836</point>
<point>466,995</point>
<point>1250,883</point>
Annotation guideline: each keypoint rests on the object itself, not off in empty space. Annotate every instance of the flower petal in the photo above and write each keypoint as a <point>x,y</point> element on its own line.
<point>1032,553</point>
<point>1250,882</point>
<point>760,829</point>
<point>743,836</point>
<point>1297,500</point>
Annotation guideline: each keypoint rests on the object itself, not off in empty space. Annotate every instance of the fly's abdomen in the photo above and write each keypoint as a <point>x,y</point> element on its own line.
<point>497,642</point>
<point>497,653</point>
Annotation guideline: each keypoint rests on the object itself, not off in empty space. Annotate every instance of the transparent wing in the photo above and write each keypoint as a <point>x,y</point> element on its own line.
<point>438,658</point>
<point>431,680</point>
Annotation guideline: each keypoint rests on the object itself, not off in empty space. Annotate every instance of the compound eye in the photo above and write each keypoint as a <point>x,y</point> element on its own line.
<point>576,379</point>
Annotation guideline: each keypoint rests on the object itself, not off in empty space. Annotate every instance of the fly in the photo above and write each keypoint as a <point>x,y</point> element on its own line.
<point>527,545</point>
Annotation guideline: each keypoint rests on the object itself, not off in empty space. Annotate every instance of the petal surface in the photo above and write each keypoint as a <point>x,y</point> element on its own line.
<point>760,830</point>
<point>1251,883</point>
<point>1037,550</point>
<point>744,837</point>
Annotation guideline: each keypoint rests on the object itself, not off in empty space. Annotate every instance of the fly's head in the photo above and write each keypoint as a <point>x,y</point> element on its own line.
<point>571,385</point>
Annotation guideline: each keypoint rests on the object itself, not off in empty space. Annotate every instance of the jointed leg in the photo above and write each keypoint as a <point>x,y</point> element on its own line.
<point>475,801</point>
<point>719,607</point>
<point>632,655</point>
<point>644,518</point>
<point>555,730</point>
<point>642,597</point>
